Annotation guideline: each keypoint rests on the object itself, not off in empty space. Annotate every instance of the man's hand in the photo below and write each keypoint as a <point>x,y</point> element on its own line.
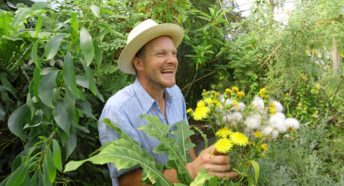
<point>214,164</point>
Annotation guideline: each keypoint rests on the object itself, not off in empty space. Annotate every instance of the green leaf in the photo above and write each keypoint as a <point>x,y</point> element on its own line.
<point>182,134</point>
<point>64,115</point>
<point>48,165</point>
<point>71,142</point>
<point>86,46</point>
<point>18,119</point>
<point>256,169</point>
<point>69,75</point>
<point>91,82</point>
<point>6,84</point>
<point>53,46</point>
<point>2,113</point>
<point>21,15</point>
<point>124,154</point>
<point>57,155</point>
<point>46,87</point>
<point>168,144</point>
<point>85,107</point>
<point>98,55</point>
<point>201,178</point>
<point>34,56</point>
<point>16,177</point>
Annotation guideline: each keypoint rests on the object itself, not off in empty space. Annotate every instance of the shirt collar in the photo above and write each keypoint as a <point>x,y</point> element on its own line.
<point>145,99</point>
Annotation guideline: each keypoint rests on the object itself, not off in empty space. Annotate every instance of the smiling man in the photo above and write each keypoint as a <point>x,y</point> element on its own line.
<point>151,55</point>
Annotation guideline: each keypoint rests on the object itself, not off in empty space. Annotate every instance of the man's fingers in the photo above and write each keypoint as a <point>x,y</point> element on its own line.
<point>217,168</point>
<point>223,174</point>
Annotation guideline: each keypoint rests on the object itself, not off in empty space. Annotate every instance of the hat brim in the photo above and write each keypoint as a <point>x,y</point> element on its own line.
<point>125,59</point>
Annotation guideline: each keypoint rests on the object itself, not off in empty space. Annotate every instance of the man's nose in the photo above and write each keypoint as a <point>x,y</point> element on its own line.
<point>172,57</point>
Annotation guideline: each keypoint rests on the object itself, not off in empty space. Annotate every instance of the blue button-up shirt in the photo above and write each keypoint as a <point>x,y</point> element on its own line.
<point>125,108</point>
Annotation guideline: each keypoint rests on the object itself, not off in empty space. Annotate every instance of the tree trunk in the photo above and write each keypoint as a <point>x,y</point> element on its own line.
<point>336,58</point>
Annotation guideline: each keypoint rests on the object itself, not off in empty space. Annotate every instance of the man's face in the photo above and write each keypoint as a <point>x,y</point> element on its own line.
<point>159,63</point>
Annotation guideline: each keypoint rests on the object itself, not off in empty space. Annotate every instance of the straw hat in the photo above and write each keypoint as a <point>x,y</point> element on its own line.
<point>142,34</point>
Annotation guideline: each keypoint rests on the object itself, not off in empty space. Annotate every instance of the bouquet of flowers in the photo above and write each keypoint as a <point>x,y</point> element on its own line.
<point>243,128</point>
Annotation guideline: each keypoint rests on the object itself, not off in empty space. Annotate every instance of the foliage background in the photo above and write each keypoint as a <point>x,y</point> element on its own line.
<point>293,61</point>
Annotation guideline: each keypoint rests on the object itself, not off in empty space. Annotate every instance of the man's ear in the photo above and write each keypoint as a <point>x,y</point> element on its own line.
<point>137,63</point>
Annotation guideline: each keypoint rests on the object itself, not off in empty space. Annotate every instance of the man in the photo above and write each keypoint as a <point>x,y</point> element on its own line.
<point>151,55</point>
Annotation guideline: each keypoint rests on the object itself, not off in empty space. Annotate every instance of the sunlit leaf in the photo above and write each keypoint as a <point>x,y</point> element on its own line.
<point>46,87</point>
<point>201,178</point>
<point>86,45</point>
<point>57,155</point>
<point>53,46</point>
<point>95,10</point>
<point>48,164</point>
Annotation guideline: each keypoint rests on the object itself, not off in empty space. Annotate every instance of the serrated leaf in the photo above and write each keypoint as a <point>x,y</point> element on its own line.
<point>17,120</point>
<point>124,154</point>
<point>201,178</point>
<point>86,45</point>
<point>57,155</point>
<point>53,46</point>
<point>182,134</point>
<point>46,87</point>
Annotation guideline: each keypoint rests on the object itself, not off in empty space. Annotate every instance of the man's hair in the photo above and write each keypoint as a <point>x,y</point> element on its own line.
<point>141,52</point>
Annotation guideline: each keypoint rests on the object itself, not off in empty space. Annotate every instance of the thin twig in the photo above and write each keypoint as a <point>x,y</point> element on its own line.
<point>195,80</point>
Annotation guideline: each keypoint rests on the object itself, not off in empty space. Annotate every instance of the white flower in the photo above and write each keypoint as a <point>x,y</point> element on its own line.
<point>278,106</point>
<point>292,123</point>
<point>267,130</point>
<point>241,106</point>
<point>234,117</point>
<point>276,121</point>
<point>274,134</point>
<point>253,121</point>
<point>258,103</point>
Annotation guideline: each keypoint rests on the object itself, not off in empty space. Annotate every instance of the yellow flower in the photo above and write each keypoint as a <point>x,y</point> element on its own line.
<point>236,104</point>
<point>272,108</point>
<point>228,91</point>
<point>223,133</point>
<point>239,139</point>
<point>201,111</point>
<point>317,86</point>
<point>262,92</point>
<point>258,134</point>
<point>208,101</point>
<point>264,147</point>
<point>240,94</point>
<point>223,145</point>
<point>189,110</point>
<point>235,89</point>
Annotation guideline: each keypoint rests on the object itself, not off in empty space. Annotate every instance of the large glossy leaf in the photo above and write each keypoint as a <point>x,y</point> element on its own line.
<point>91,83</point>
<point>86,45</point>
<point>64,115</point>
<point>21,15</point>
<point>69,75</point>
<point>46,87</point>
<point>18,119</point>
<point>16,177</point>
<point>57,155</point>
<point>71,142</point>
<point>85,107</point>
<point>53,46</point>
